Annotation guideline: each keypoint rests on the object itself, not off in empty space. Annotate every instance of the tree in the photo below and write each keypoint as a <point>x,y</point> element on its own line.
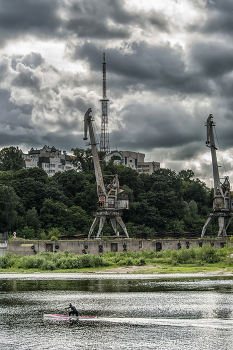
<point>186,175</point>
<point>32,193</point>
<point>54,214</point>
<point>8,204</point>
<point>193,208</point>
<point>37,174</point>
<point>84,159</point>
<point>32,219</point>
<point>11,159</point>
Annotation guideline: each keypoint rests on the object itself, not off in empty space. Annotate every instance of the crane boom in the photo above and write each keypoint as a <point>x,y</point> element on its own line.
<point>98,173</point>
<point>211,143</point>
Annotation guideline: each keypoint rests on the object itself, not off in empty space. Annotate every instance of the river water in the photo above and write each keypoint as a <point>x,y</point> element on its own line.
<point>135,312</point>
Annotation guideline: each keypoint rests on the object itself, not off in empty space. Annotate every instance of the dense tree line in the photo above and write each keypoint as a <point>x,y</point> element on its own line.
<point>37,206</point>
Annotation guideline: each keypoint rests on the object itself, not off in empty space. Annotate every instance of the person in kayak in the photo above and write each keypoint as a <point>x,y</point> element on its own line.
<point>73,311</point>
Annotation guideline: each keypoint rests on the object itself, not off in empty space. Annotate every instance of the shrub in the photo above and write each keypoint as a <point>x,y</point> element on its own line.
<point>7,260</point>
<point>129,262</point>
<point>50,266</point>
<point>43,235</point>
<point>121,262</point>
<point>38,262</point>
<point>208,254</point>
<point>54,232</point>
<point>184,256</point>
<point>86,260</point>
<point>140,262</point>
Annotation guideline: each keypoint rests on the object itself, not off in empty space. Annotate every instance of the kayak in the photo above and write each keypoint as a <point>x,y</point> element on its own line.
<point>67,317</point>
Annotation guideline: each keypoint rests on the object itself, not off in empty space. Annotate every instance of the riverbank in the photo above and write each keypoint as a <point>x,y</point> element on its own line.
<point>123,270</point>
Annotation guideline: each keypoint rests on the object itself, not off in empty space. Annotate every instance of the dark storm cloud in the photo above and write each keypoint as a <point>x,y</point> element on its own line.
<point>213,59</point>
<point>66,141</point>
<point>219,17</point>
<point>59,19</point>
<point>187,151</point>
<point>154,67</point>
<point>162,125</point>
<point>29,17</point>
<point>92,19</point>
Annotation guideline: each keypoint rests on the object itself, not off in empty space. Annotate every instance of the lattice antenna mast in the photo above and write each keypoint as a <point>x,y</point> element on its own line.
<point>104,137</point>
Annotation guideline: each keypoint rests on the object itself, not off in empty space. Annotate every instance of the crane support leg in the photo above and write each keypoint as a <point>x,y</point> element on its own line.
<point>121,223</point>
<point>114,226</point>
<point>222,226</point>
<point>209,220</point>
<point>95,222</point>
<point>102,221</point>
<point>229,222</point>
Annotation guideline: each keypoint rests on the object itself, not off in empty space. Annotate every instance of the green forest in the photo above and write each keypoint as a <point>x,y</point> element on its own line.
<point>40,207</point>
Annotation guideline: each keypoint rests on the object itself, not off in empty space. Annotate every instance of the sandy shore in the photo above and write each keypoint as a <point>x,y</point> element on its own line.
<point>129,272</point>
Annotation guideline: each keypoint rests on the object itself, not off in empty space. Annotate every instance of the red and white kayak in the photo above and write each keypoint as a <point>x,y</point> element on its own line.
<point>67,317</point>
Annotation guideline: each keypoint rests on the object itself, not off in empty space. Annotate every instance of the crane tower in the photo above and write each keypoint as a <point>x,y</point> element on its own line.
<point>104,137</point>
<point>222,194</point>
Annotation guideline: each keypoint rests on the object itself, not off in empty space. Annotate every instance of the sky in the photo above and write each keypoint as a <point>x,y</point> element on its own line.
<point>169,65</point>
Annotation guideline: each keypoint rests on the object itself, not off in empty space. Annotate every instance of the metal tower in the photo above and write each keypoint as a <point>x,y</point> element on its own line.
<point>222,194</point>
<point>104,137</point>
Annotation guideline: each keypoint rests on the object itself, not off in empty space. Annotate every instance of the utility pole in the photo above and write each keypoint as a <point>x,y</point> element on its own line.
<point>104,137</point>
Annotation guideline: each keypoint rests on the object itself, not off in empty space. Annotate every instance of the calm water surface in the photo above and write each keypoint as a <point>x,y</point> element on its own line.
<point>139,311</point>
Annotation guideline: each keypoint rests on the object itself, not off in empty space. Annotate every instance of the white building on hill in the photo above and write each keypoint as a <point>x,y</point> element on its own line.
<point>134,160</point>
<point>50,159</point>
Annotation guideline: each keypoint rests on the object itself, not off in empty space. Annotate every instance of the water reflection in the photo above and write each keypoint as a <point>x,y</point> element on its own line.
<point>143,313</point>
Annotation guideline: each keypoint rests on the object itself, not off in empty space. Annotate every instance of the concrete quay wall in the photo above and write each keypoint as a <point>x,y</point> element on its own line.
<point>115,245</point>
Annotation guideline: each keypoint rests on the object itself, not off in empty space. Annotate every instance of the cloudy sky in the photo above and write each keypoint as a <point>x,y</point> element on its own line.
<point>169,65</point>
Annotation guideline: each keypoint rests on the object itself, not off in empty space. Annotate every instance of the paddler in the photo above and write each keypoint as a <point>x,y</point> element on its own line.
<point>73,311</point>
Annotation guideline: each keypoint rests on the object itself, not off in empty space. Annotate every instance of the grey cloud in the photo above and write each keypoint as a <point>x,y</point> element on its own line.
<point>91,19</point>
<point>104,20</point>
<point>26,17</point>
<point>188,151</point>
<point>26,78</point>
<point>33,60</point>
<point>99,30</point>
<point>154,126</point>
<point>213,59</point>
<point>219,17</point>
<point>63,141</point>
<point>12,116</point>
<point>28,103</point>
<point>152,67</point>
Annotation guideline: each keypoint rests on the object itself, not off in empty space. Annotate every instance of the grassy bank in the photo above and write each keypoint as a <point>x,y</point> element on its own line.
<point>205,259</point>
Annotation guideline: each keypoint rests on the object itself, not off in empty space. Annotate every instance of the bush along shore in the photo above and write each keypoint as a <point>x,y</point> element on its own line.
<point>64,261</point>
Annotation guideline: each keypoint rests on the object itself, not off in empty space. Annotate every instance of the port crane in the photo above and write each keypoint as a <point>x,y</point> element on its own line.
<point>111,202</point>
<point>222,194</point>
